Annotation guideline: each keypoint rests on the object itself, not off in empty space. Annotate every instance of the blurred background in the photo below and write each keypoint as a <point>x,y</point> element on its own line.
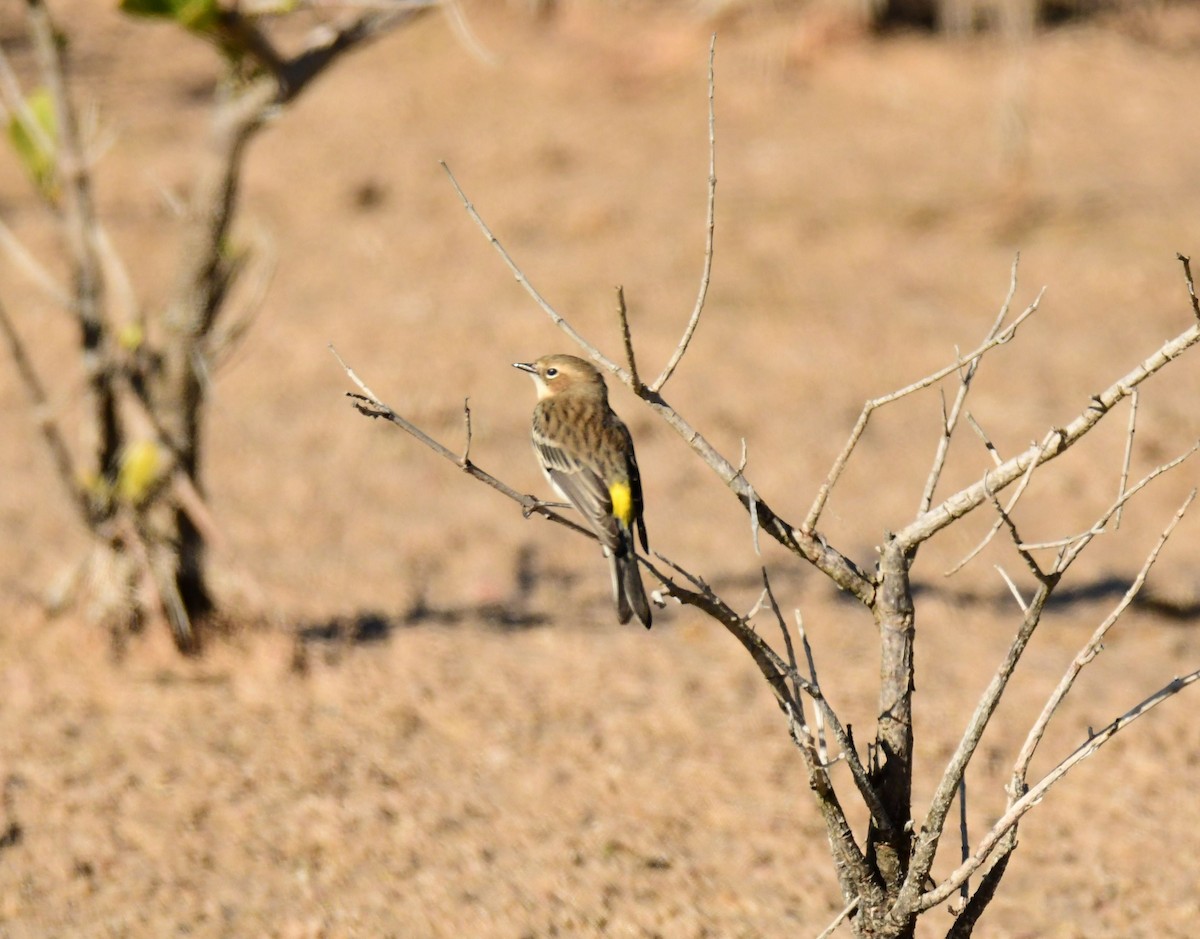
<point>425,721</point>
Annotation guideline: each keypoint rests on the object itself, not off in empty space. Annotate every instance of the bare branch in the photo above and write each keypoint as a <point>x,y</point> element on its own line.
<point>1057,441</point>
<point>926,845</point>
<point>1030,561</point>
<point>694,319</point>
<point>792,670</point>
<point>930,831</point>
<point>13,100</point>
<point>32,268</point>
<point>1017,810</point>
<point>818,711</point>
<point>60,453</point>
<point>964,837</point>
<point>852,869</point>
<point>323,48</point>
<point>839,465</point>
<point>1092,649</point>
<point>974,552</point>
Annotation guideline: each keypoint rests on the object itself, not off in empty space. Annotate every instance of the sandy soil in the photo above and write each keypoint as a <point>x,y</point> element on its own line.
<point>441,731</point>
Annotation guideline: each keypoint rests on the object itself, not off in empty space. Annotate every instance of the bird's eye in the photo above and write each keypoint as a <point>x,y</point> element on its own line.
<point>552,372</point>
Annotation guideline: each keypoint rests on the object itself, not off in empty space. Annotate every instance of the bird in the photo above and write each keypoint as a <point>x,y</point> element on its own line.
<point>586,453</point>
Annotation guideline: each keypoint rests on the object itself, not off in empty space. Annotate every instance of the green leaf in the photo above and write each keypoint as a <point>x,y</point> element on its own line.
<point>38,163</point>
<point>197,15</point>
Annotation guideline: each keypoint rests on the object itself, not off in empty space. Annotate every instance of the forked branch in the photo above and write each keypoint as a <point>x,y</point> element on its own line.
<point>1056,442</point>
<point>995,338</point>
<point>803,542</point>
<point>1016,812</point>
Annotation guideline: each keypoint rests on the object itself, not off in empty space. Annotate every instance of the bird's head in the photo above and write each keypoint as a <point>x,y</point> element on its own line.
<point>556,374</point>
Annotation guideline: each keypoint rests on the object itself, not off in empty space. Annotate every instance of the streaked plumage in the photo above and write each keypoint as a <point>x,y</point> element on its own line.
<point>587,455</point>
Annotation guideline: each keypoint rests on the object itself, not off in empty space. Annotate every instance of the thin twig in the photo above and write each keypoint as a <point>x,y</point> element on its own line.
<point>14,101</point>
<point>964,836</point>
<point>839,464</point>
<point>987,441</point>
<point>706,274</point>
<point>1029,559</point>
<point>635,382</point>
<point>1076,543</point>
<point>1013,589</point>
<point>533,292</point>
<point>839,919</point>
<point>24,261</point>
<point>818,712</point>
<point>1133,406</point>
<point>966,376</point>
<point>1191,285</point>
<point>465,460</point>
<point>79,229</point>
<point>793,670</point>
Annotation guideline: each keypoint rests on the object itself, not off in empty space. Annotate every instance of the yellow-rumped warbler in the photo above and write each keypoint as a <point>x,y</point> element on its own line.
<point>587,455</point>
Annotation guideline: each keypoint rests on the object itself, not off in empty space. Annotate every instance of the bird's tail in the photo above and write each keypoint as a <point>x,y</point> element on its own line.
<point>628,592</point>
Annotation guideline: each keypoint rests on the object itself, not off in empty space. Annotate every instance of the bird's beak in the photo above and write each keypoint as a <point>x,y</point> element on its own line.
<point>526,367</point>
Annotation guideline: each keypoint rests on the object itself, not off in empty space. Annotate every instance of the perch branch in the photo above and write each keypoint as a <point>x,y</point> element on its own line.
<point>374,407</point>
<point>694,319</point>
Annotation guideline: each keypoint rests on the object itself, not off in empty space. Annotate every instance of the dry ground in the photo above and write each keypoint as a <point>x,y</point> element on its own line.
<point>441,732</point>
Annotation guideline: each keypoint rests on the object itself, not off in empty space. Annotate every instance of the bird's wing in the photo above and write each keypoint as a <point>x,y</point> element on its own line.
<point>635,486</point>
<point>580,485</point>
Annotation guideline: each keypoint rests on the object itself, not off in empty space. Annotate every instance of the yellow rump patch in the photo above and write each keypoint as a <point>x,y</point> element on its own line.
<point>622,502</point>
